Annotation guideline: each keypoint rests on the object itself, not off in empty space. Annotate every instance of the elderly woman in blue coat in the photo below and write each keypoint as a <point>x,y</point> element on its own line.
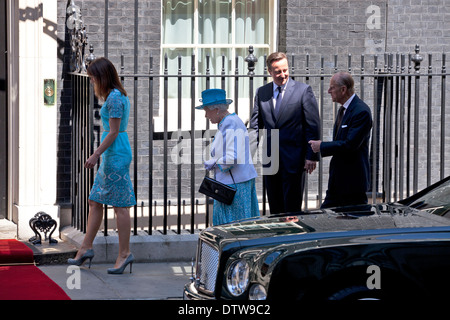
<point>230,153</point>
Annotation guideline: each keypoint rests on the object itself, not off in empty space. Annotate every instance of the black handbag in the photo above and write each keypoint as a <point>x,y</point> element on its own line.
<point>218,190</point>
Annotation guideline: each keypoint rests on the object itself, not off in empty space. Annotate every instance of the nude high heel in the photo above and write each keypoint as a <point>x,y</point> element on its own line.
<point>129,260</point>
<point>89,254</point>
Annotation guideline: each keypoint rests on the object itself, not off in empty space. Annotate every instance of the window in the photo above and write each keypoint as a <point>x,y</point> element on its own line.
<point>216,28</point>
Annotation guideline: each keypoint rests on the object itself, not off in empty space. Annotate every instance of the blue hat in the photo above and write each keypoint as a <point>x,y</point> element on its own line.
<point>212,97</point>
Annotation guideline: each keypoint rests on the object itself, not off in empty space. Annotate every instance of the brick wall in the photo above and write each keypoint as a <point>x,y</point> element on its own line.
<point>328,27</point>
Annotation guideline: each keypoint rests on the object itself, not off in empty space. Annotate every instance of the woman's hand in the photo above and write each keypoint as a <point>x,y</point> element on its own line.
<point>91,161</point>
<point>209,164</point>
<point>114,124</point>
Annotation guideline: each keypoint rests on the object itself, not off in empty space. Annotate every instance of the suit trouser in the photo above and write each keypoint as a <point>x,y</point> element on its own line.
<point>285,191</point>
<point>335,200</point>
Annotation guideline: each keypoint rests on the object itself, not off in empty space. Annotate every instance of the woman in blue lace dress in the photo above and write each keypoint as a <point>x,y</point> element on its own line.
<point>112,184</point>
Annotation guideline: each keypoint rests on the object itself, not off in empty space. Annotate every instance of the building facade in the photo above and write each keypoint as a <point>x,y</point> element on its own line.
<point>36,144</point>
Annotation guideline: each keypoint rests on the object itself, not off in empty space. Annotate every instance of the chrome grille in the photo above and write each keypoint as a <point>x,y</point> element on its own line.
<point>207,264</point>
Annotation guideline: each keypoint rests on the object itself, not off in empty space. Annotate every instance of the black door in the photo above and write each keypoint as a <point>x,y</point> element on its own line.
<point>3,114</point>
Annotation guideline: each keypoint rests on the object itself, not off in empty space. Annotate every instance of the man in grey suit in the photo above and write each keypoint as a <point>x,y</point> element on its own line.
<point>290,108</point>
<point>349,177</point>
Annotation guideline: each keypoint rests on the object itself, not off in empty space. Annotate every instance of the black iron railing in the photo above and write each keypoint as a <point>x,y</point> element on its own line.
<point>408,136</point>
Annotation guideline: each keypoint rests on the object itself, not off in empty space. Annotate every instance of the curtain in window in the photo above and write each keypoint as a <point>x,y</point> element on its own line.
<point>215,22</point>
<point>220,29</point>
<point>178,23</point>
<point>252,21</point>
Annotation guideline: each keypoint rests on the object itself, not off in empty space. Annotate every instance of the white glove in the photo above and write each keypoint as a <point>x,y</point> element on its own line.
<point>209,164</point>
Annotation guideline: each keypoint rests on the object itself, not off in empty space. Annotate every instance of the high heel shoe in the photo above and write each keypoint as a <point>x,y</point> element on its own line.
<point>89,254</point>
<point>129,260</point>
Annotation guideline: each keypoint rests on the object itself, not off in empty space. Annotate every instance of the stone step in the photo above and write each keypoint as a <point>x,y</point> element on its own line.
<point>54,253</point>
<point>170,247</point>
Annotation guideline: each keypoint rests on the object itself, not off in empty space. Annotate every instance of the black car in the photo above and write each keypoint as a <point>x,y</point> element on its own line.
<point>383,251</point>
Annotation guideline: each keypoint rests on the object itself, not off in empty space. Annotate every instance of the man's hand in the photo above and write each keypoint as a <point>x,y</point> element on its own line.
<point>315,145</point>
<point>310,166</point>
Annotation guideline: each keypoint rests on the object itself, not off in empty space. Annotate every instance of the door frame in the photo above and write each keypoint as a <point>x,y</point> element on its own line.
<point>3,112</point>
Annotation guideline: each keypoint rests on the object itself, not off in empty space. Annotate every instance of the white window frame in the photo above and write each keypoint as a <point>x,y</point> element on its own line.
<point>196,47</point>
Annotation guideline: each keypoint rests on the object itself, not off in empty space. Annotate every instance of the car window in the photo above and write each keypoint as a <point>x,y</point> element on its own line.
<point>436,201</point>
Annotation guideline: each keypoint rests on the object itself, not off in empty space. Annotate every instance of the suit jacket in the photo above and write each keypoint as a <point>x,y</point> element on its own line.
<point>349,167</point>
<point>297,121</point>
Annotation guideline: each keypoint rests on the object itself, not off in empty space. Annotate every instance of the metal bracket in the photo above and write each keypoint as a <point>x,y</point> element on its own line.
<point>44,223</point>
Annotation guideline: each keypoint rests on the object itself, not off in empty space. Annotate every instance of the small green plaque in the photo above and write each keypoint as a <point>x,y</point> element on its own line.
<point>49,92</point>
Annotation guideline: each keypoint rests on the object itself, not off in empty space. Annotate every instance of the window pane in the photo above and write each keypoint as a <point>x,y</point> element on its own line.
<point>216,63</point>
<point>172,69</point>
<point>214,21</point>
<point>178,21</point>
<point>252,21</point>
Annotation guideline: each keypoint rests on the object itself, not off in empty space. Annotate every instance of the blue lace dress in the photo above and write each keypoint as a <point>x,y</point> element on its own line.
<point>112,184</point>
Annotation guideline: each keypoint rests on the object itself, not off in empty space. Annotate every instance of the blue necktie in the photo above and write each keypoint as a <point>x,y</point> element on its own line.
<point>278,101</point>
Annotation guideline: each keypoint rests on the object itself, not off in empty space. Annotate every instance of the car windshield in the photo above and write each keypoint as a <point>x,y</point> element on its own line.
<point>436,201</point>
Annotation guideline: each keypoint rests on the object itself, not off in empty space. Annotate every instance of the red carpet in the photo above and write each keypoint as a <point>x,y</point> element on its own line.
<point>20,279</point>
<point>13,251</point>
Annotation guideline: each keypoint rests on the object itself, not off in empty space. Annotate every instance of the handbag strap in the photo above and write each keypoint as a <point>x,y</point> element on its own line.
<point>207,171</point>
<point>232,177</point>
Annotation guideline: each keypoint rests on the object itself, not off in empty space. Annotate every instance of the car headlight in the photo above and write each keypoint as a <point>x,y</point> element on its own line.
<point>257,292</point>
<point>237,277</point>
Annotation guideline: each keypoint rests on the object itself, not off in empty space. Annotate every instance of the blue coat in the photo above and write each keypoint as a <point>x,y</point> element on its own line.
<point>231,149</point>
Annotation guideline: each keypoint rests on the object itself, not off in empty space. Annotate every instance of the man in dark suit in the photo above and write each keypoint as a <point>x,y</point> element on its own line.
<point>287,109</point>
<point>349,177</point>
